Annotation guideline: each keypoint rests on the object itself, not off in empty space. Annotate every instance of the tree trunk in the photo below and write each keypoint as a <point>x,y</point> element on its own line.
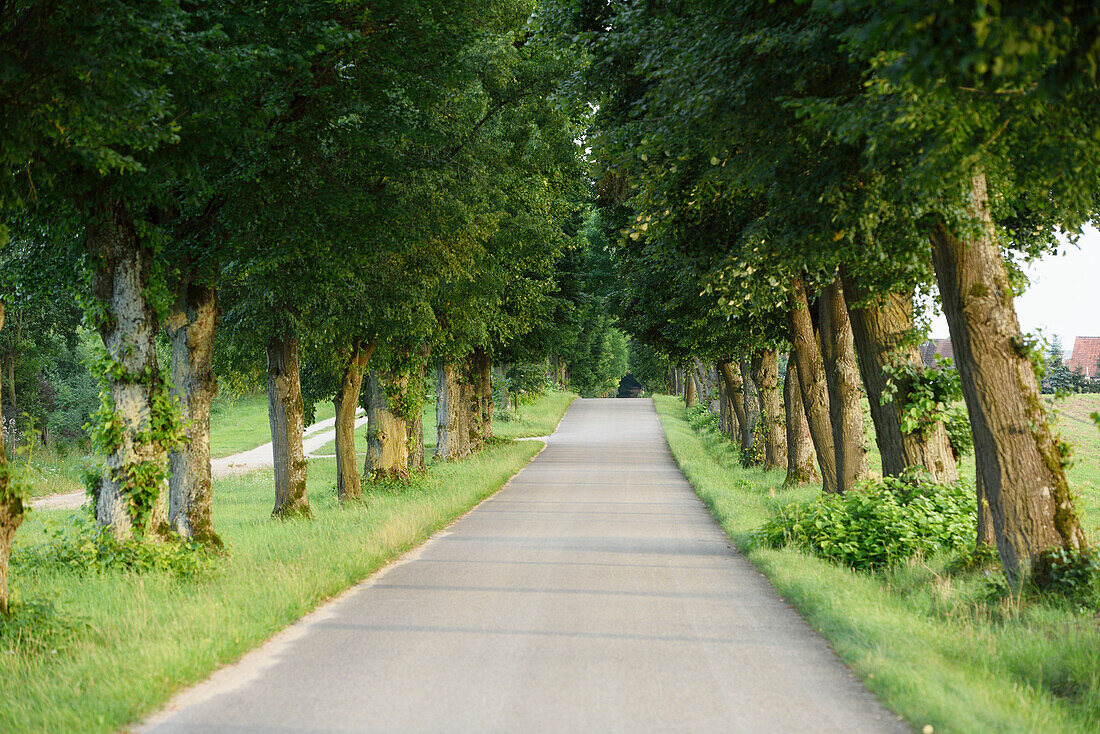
<point>689,390</point>
<point>752,413</point>
<point>883,333</point>
<point>349,485</point>
<point>842,378</point>
<point>735,389</point>
<point>387,427</point>
<point>811,382</point>
<point>130,496</point>
<point>985,534</point>
<point>801,467</point>
<point>1017,454</point>
<point>452,439</point>
<point>416,423</point>
<point>191,328</point>
<point>286,417</point>
<point>765,373</point>
<point>725,407</point>
<point>480,377</point>
<point>11,509</point>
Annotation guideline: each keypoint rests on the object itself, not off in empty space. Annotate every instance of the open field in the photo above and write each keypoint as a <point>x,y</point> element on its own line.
<point>114,645</point>
<point>939,645</point>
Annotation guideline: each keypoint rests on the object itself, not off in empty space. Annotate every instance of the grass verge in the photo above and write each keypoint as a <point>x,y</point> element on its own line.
<point>240,423</point>
<point>936,643</point>
<point>100,650</point>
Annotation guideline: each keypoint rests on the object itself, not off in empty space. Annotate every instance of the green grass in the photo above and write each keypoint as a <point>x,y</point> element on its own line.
<point>118,645</point>
<point>933,644</point>
<point>240,423</point>
<point>52,471</point>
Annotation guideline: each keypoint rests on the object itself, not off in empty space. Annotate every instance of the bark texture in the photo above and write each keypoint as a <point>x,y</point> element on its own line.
<point>751,396</point>
<point>735,389</point>
<point>882,332</point>
<point>842,378</point>
<point>286,417</point>
<point>1017,455</point>
<point>417,461</point>
<point>801,463</point>
<point>689,390</point>
<point>765,374</point>
<point>452,435</point>
<point>387,426</point>
<point>11,510</point>
<point>478,387</point>
<point>124,503</point>
<point>811,382</point>
<point>191,328</point>
<point>349,485</point>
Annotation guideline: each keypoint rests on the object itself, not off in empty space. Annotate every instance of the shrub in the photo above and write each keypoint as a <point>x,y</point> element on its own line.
<point>1072,574</point>
<point>882,522</point>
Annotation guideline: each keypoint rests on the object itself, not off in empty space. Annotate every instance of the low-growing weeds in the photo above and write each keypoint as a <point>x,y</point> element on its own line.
<point>39,628</point>
<point>882,522</point>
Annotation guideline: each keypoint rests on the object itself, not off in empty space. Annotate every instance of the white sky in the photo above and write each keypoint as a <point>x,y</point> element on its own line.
<point>1064,296</point>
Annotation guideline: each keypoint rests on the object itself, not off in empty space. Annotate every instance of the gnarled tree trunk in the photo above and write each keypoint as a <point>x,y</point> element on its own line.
<point>883,332</point>
<point>765,373</point>
<point>1017,456</point>
<point>286,418</point>
<point>735,389</point>
<point>11,510</point>
<point>842,378</point>
<point>191,328</point>
<point>387,428</point>
<point>801,468</point>
<point>130,497</point>
<point>452,434</point>
<point>349,485</point>
<point>811,382</point>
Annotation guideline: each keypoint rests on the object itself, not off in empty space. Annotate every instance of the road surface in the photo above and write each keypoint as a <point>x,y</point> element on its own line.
<point>593,594</point>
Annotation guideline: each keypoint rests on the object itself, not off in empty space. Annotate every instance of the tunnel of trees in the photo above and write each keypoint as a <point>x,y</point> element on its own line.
<point>732,201</point>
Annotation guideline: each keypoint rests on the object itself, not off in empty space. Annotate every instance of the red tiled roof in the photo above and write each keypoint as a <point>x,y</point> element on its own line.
<point>933,347</point>
<point>1086,354</point>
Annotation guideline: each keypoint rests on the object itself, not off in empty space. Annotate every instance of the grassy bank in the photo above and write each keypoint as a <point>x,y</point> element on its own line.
<point>116,645</point>
<point>939,645</point>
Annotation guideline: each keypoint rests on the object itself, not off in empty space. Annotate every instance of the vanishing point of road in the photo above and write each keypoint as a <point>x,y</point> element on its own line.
<point>594,593</point>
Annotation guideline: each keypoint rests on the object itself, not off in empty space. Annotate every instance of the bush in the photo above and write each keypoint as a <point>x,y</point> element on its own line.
<point>879,524</point>
<point>80,544</point>
<point>1072,574</point>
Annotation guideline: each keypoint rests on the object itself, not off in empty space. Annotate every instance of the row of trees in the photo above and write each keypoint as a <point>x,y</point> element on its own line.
<point>357,191</point>
<point>790,175</point>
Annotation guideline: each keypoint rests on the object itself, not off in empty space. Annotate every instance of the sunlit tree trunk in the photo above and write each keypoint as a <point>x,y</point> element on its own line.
<point>765,373</point>
<point>286,417</point>
<point>11,510</point>
<point>349,485</point>
<point>735,389</point>
<point>452,440</point>
<point>689,389</point>
<point>191,328</point>
<point>811,381</point>
<point>842,378</point>
<point>387,427</point>
<point>130,497</point>
<point>801,463</point>
<point>417,461</point>
<point>1017,454</point>
<point>883,330</point>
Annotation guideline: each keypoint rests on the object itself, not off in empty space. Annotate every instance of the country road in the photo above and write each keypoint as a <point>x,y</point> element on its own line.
<point>594,593</point>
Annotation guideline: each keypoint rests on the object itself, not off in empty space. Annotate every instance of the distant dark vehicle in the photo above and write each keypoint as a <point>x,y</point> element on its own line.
<point>629,387</point>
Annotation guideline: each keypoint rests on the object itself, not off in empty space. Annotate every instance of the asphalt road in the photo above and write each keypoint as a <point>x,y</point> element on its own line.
<point>593,594</point>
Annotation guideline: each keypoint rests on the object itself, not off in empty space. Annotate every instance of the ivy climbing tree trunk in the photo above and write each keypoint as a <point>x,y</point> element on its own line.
<point>286,417</point>
<point>811,382</point>
<point>735,389</point>
<point>842,379</point>
<point>1017,454</point>
<point>452,437</point>
<point>349,485</point>
<point>765,373</point>
<point>387,427</point>
<point>11,509</point>
<point>191,328</point>
<point>801,463</point>
<point>137,423</point>
<point>883,331</point>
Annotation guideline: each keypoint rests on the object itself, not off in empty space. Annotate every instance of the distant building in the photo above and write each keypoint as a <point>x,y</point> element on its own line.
<point>1086,353</point>
<point>932,347</point>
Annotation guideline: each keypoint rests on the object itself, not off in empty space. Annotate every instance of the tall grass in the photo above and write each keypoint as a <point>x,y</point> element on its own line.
<point>938,642</point>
